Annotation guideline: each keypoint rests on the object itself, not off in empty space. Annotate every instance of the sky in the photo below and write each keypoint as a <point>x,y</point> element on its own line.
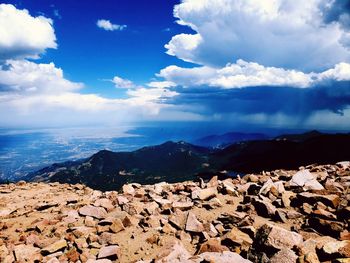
<point>239,63</point>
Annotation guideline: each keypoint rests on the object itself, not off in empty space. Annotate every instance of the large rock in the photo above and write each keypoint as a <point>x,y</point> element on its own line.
<point>204,194</point>
<point>311,198</point>
<point>26,253</point>
<point>96,212</point>
<point>306,180</point>
<point>59,245</point>
<point>285,255</point>
<point>110,252</point>
<point>174,252</point>
<point>264,208</point>
<point>278,237</point>
<point>337,249</point>
<point>193,225</point>
<point>224,257</point>
<point>212,245</point>
<point>327,227</point>
<point>117,226</point>
<point>236,238</point>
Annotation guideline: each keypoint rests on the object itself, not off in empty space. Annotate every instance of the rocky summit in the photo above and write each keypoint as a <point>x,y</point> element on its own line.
<point>278,216</point>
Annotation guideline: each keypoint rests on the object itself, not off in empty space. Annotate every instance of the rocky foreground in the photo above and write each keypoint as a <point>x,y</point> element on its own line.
<point>279,216</point>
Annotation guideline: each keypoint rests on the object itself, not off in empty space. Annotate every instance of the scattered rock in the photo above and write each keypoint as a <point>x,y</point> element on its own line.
<point>59,245</point>
<point>278,238</point>
<point>193,225</point>
<point>110,252</point>
<point>285,255</point>
<point>96,212</point>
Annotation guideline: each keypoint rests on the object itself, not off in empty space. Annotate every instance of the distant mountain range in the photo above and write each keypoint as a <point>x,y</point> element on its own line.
<point>221,141</point>
<point>179,161</point>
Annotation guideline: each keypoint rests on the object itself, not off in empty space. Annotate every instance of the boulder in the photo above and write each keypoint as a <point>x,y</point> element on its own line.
<point>59,245</point>
<point>128,189</point>
<point>306,180</point>
<point>105,203</point>
<point>204,194</point>
<point>236,238</point>
<point>182,205</point>
<point>285,255</point>
<point>277,237</point>
<point>224,257</point>
<point>193,225</point>
<point>116,226</point>
<point>110,252</point>
<point>26,253</point>
<point>173,252</point>
<point>96,212</point>
<point>337,249</point>
<point>311,198</point>
<point>264,208</point>
<point>229,188</point>
<point>212,245</point>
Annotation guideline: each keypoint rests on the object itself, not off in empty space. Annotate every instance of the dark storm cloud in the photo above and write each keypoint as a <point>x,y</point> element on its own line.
<point>332,96</point>
<point>339,11</point>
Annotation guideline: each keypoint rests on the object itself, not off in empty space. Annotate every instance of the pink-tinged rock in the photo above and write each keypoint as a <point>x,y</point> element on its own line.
<point>264,208</point>
<point>310,198</point>
<point>121,200</point>
<point>99,261</point>
<point>204,194</point>
<point>71,217</point>
<point>224,257</point>
<point>278,186</point>
<point>59,245</point>
<point>229,188</point>
<point>96,212</point>
<point>278,237</point>
<point>306,180</point>
<point>335,248</point>
<point>182,205</point>
<point>128,189</point>
<point>117,226</point>
<point>27,253</point>
<point>5,212</point>
<point>109,252</point>
<point>285,255</point>
<point>174,252</point>
<point>105,203</point>
<point>192,224</point>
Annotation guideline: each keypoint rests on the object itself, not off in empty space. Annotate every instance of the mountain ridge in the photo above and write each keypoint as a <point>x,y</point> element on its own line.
<point>181,161</point>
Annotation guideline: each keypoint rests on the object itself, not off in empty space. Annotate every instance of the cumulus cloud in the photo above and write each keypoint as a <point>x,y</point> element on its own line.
<point>161,84</point>
<point>39,94</point>
<point>108,26</point>
<point>123,83</point>
<point>25,77</point>
<point>248,74</point>
<point>22,35</point>
<point>279,33</point>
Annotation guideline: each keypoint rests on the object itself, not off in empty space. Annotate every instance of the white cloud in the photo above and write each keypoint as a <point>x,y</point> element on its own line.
<point>161,84</point>
<point>123,83</point>
<point>341,72</point>
<point>22,35</point>
<point>278,33</point>
<point>24,77</point>
<point>108,26</point>
<point>34,94</point>
<point>245,74</point>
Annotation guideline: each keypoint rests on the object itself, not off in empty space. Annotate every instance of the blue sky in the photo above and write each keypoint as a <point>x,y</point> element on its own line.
<point>89,54</point>
<point>240,63</point>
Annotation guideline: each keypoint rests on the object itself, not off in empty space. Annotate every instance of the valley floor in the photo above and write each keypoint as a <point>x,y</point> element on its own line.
<point>278,216</point>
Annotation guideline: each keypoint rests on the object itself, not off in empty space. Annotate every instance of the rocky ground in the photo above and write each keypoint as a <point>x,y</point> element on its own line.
<point>279,216</point>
